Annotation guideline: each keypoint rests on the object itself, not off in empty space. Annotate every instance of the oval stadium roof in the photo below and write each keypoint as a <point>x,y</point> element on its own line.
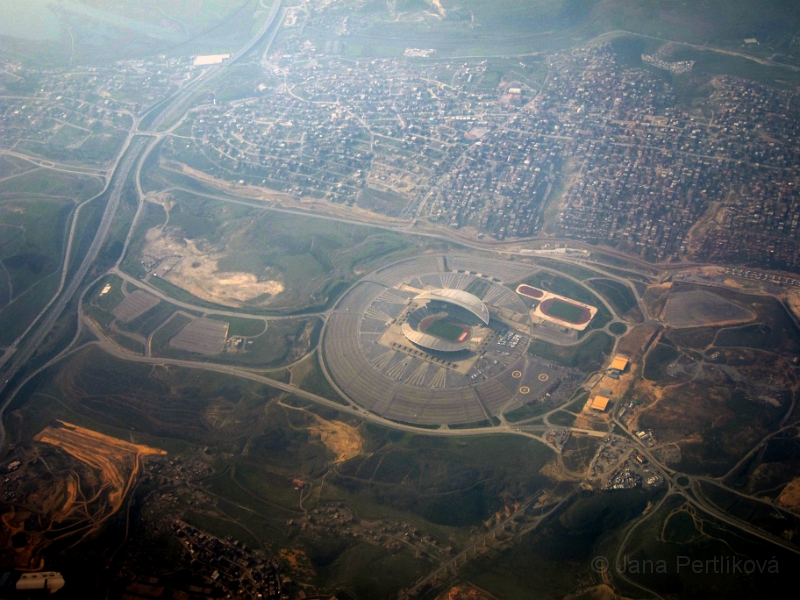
<point>431,342</point>
<point>460,298</point>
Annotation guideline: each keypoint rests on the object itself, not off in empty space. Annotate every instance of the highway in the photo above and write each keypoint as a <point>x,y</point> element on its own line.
<point>22,350</point>
<point>173,110</point>
<point>516,247</point>
<point>141,141</point>
<point>118,352</point>
<point>52,312</point>
<point>692,493</point>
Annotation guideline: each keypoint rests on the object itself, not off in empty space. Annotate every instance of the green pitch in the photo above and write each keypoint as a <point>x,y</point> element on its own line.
<point>446,331</point>
<point>567,312</point>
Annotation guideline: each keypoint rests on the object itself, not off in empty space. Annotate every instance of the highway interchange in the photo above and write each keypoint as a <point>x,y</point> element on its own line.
<point>142,139</point>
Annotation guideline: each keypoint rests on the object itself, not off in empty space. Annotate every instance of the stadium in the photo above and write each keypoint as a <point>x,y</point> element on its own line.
<point>439,339</point>
<point>559,311</point>
<point>442,319</point>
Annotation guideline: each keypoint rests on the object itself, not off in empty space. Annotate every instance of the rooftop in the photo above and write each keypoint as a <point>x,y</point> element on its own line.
<point>460,298</point>
<point>619,363</point>
<point>600,403</point>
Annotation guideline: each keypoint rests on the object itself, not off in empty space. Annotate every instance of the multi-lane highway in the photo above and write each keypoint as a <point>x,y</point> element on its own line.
<point>24,348</point>
<point>45,320</point>
<point>146,131</point>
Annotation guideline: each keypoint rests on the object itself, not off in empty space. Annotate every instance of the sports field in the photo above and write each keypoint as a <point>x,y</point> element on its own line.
<point>530,292</point>
<point>446,330</point>
<point>565,311</point>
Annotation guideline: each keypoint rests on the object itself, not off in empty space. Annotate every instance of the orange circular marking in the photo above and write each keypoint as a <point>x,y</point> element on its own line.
<point>543,377</point>
<point>516,374</point>
<point>524,390</point>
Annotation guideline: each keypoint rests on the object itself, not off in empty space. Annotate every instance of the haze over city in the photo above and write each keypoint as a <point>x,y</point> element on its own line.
<point>394,299</point>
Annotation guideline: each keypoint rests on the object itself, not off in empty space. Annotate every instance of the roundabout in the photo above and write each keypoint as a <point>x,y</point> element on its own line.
<point>437,340</point>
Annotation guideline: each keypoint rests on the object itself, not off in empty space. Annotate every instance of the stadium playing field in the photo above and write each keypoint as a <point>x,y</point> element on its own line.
<point>530,292</point>
<point>565,311</point>
<point>447,331</point>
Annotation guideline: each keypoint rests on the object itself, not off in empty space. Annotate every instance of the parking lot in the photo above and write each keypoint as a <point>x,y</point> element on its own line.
<point>204,336</point>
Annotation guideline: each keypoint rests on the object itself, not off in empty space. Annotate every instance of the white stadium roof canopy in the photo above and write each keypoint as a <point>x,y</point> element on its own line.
<point>460,298</point>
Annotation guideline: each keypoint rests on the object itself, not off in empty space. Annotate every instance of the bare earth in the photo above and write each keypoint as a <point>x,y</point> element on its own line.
<point>697,308</point>
<point>790,496</point>
<point>341,439</point>
<point>105,454</point>
<point>197,272</point>
<point>793,300</point>
<point>79,498</point>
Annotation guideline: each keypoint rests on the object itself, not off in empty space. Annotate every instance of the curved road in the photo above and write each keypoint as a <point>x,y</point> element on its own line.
<point>132,149</point>
<point>137,147</point>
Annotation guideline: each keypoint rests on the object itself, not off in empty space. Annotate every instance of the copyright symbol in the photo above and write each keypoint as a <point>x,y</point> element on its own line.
<point>599,564</point>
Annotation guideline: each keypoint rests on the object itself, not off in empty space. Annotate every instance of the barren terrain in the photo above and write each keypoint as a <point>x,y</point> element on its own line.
<point>71,482</point>
<point>195,270</point>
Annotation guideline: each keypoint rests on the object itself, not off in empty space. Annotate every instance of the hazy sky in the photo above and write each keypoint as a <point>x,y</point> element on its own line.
<point>28,19</point>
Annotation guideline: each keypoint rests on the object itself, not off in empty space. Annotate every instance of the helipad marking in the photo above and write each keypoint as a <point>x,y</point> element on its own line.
<point>516,374</point>
<point>543,377</point>
<point>524,390</point>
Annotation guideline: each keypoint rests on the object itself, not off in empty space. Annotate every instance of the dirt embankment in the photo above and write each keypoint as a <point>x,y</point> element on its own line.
<point>116,461</point>
<point>298,562</point>
<point>636,341</point>
<point>793,301</point>
<point>790,496</point>
<point>655,299</point>
<point>185,264</point>
<point>340,438</point>
<point>351,213</point>
<point>68,492</point>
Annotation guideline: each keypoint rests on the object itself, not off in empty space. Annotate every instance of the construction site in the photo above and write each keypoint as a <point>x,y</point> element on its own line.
<point>63,487</point>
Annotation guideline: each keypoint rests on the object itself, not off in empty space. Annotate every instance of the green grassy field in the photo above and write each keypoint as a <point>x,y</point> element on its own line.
<point>240,326</point>
<point>161,338</point>
<point>150,320</point>
<point>587,356</point>
<point>617,328</point>
<point>562,418</point>
<point>33,234</point>
<point>443,486</point>
<point>314,259</point>
<point>565,311</point>
<point>553,559</point>
<point>308,375</point>
<point>575,271</point>
<point>19,313</point>
<point>53,184</point>
<point>578,403</point>
<point>618,295</point>
<point>445,330</point>
<point>89,218</point>
<point>672,531</point>
<point>282,343</point>
<point>659,357</point>
<point>575,291</point>
<point>436,477</point>
<point>579,451</point>
<point>100,307</point>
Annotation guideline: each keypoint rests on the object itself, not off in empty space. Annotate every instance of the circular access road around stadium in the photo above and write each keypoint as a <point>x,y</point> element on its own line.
<point>372,364</point>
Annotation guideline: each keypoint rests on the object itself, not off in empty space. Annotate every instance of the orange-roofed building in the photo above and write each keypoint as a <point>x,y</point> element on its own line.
<point>619,363</point>
<point>600,403</point>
